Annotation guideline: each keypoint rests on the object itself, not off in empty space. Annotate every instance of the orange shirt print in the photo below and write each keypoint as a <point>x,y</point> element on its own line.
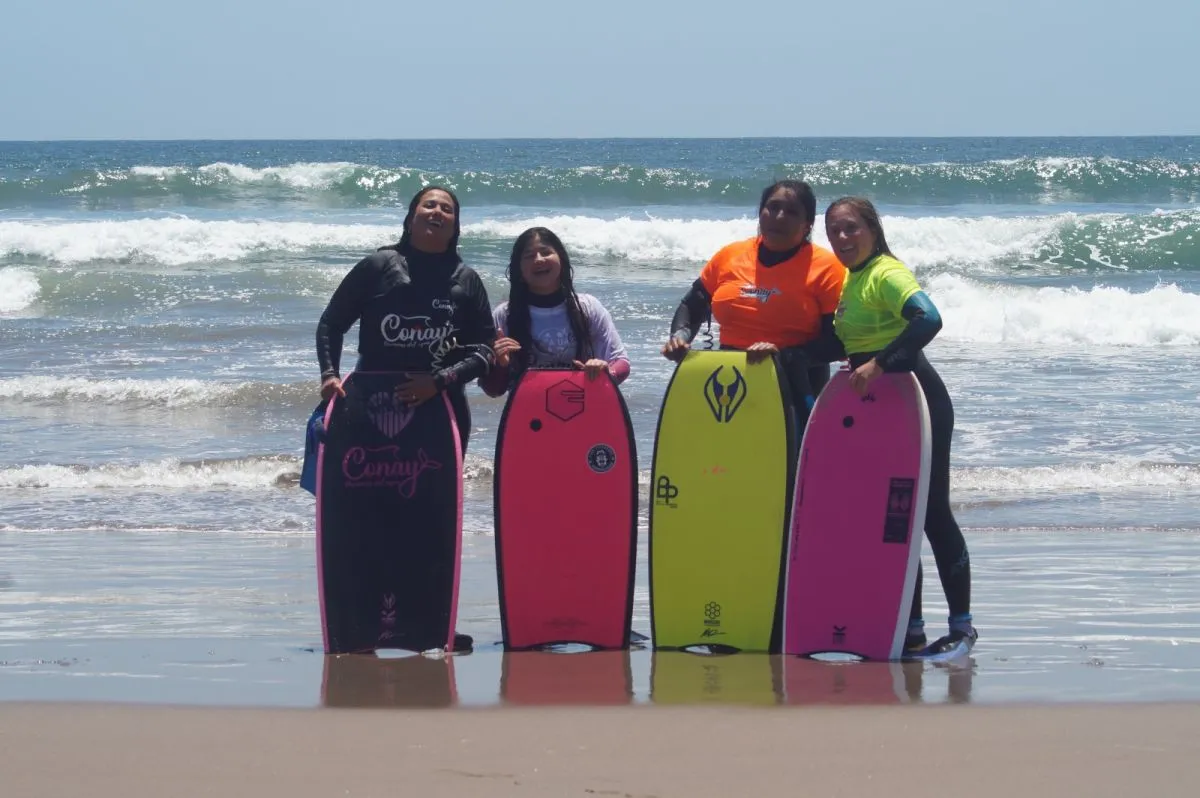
<point>780,304</point>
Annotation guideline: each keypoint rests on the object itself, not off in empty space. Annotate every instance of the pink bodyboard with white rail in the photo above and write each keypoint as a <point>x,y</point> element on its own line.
<point>858,518</point>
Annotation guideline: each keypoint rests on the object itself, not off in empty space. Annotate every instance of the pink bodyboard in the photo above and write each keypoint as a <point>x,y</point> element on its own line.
<point>858,519</point>
<point>565,512</point>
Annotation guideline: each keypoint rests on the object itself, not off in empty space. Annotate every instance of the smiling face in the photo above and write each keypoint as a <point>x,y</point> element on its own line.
<point>850,237</point>
<point>782,221</point>
<point>541,267</point>
<point>434,221</point>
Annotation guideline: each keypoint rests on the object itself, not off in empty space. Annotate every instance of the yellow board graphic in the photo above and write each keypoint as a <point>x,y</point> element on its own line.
<point>718,511</point>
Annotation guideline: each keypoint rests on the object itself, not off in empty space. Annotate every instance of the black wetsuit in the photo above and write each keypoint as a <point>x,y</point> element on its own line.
<point>806,367</point>
<point>418,313</point>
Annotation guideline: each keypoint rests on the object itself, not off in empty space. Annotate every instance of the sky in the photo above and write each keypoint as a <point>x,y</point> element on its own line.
<point>395,69</point>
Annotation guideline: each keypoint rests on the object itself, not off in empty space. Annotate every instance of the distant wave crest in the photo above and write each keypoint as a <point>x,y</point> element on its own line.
<point>1034,180</point>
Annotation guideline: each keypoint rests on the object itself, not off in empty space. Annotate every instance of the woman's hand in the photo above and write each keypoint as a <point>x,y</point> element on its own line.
<point>760,351</point>
<point>593,367</point>
<point>503,350</point>
<point>862,375</point>
<point>675,348</point>
<point>330,386</point>
<point>416,389</point>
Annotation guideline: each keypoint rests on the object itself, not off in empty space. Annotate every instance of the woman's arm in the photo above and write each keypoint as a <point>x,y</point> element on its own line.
<point>606,341</point>
<point>694,310</point>
<point>344,308</point>
<point>924,323</point>
<point>477,334</point>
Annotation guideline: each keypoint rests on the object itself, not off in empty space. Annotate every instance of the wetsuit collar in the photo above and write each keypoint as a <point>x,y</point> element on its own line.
<point>769,257</point>
<point>865,263</point>
<point>547,300</point>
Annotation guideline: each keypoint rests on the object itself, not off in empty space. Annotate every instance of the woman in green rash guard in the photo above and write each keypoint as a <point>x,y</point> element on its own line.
<point>884,320</point>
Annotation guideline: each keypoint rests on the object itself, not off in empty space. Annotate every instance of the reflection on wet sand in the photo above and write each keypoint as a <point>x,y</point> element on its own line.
<point>688,678</point>
<point>807,681</point>
<point>582,678</point>
<point>365,680</point>
<point>606,678</point>
<point>683,677</point>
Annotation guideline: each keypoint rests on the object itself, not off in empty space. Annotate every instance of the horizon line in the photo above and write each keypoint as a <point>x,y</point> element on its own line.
<point>109,139</point>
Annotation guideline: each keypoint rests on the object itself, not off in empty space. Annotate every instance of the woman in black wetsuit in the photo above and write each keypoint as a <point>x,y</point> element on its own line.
<point>420,309</point>
<point>884,320</point>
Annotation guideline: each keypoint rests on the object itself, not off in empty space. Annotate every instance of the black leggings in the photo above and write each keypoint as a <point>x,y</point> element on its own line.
<point>941,528</point>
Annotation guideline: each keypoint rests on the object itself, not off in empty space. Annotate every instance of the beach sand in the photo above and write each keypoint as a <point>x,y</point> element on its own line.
<point>108,750</point>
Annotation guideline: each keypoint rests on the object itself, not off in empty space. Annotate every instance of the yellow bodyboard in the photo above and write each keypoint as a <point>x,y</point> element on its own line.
<point>719,503</point>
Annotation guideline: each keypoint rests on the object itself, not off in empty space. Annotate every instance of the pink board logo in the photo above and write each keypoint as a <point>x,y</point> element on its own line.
<point>565,400</point>
<point>389,417</point>
<point>383,467</point>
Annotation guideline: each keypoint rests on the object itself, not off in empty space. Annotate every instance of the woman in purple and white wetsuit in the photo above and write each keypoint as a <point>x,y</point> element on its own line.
<point>545,323</point>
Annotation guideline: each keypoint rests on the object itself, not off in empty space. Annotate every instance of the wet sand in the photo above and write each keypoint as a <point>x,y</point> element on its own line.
<point>104,750</point>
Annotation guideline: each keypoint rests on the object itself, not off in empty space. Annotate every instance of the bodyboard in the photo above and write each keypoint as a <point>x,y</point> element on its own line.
<point>720,487</point>
<point>566,496</point>
<point>858,519</point>
<point>389,519</point>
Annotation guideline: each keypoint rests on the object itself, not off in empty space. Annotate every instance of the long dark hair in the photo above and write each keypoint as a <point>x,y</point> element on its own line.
<point>804,194</point>
<point>866,210</point>
<point>405,237</point>
<point>519,324</point>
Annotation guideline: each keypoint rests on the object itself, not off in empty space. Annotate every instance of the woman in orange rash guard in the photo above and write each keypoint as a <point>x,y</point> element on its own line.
<point>773,293</point>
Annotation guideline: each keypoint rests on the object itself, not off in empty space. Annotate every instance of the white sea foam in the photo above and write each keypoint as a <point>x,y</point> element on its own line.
<point>166,392</point>
<point>19,288</point>
<point>974,311</point>
<point>179,241</point>
<point>977,244</point>
<point>264,472</point>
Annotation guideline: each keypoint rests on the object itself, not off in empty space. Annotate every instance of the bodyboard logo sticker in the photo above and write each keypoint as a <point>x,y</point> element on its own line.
<point>724,399</point>
<point>565,400</point>
<point>601,458</point>
<point>898,518</point>
<point>383,467</point>
<point>388,416</point>
<point>712,620</point>
<point>665,493</point>
<point>387,617</point>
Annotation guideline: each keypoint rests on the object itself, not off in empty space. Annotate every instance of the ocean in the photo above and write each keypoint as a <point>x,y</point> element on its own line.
<point>158,303</point>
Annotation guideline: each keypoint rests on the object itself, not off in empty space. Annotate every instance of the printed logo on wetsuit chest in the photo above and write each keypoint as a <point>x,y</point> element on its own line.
<point>411,332</point>
<point>751,291</point>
